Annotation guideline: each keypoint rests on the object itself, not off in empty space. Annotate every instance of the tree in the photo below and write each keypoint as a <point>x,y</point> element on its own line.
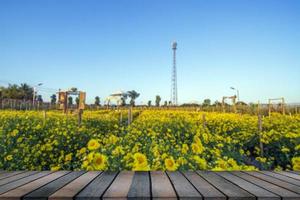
<point>217,103</point>
<point>39,98</point>
<point>70,101</point>
<point>206,102</point>
<point>157,100</point>
<point>53,99</point>
<point>166,103</point>
<point>149,103</point>
<point>14,91</point>
<point>97,101</point>
<point>123,99</point>
<point>133,95</point>
<point>77,101</point>
<point>26,91</point>
<point>74,89</point>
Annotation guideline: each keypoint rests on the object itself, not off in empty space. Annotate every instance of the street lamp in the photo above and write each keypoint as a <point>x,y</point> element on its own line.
<point>237,92</point>
<point>34,92</point>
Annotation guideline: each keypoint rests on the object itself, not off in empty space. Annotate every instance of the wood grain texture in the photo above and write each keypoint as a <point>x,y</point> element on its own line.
<point>22,181</point>
<point>97,187</point>
<point>284,193</point>
<point>140,186</point>
<point>93,185</point>
<point>231,190</point>
<point>16,177</point>
<point>45,191</point>
<point>161,186</point>
<point>282,177</point>
<point>289,174</point>
<point>257,191</point>
<point>183,188</point>
<point>120,187</point>
<point>276,181</point>
<point>207,190</point>
<point>19,192</point>
<point>70,190</point>
<point>9,174</point>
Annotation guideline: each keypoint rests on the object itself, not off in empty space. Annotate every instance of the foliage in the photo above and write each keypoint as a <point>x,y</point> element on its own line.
<point>157,100</point>
<point>156,140</point>
<point>14,91</point>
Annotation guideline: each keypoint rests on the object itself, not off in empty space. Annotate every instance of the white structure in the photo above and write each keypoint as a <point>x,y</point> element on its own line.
<point>115,97</point>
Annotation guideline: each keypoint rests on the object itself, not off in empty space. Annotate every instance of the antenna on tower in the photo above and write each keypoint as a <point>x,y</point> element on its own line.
<point>174,76</point>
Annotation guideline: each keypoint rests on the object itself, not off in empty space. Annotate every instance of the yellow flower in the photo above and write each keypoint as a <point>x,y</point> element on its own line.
<point>85,164</point>
<point>201,162</point>
<point>140,162</point>
<point>285,150</point>
<point>296,163</point>
<point>260,159</point>
<point>93,144</point>
<point>197,148</point>
<point>55,168</point>
<point>184,148</point>
<point>170,164</point>
<point>14,133</point>
<point>9,157</point>
<point>68,157</point>
<point>99,161</point>
<point>82,150</point>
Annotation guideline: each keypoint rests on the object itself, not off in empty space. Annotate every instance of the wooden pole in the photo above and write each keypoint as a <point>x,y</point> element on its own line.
<point>204,120</point>
<point>80,111</point>
<point>129,115</point>
<point>121,116</point>
<point>44,116</point>
<point>283,106</point>
<point>259,133</point>
<point>269,107</point>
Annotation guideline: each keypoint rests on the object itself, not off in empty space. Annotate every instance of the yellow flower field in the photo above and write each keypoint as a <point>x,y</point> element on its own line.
<point>156,140</point>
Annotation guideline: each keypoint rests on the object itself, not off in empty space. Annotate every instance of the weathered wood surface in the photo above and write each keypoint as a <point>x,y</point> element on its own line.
<point>92,185</point>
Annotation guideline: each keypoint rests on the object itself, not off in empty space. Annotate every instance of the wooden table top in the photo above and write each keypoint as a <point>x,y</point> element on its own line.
<point>81,185</point>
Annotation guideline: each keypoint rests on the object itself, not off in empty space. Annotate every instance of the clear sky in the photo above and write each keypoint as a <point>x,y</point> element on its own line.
<point>105,46</point>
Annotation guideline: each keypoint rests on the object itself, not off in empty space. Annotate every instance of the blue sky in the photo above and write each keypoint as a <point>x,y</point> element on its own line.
<point>105,46</point>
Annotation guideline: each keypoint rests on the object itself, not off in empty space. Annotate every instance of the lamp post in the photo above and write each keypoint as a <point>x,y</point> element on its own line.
<point>237,92</point>
<point>34,92</point>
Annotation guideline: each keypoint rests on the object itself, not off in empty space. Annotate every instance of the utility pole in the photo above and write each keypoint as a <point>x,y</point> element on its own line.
<point>34,92</point>
<point>174,77</point>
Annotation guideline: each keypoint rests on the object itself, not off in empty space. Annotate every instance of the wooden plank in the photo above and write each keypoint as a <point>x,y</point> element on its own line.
<point>161,186</point>
<point>183,188</point>
<point>70,190</point>
<point>44,192</point>
<point>226,187</point>
<point>207,190</point>
<point>259,192</point>
<point>120,187</point>
<point>295,172</point>
<point>16,177</point>
<point>19,192</point>
<point>17,183</point>
<point>276,181</point>
<point>97,187</point>
<point>284,193</point>
<point>9,174</point>
<point>140,186</point>
<point>282,177</point>
<point>289,174</point>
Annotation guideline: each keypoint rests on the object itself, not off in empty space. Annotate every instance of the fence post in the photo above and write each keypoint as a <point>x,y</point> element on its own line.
<point>44,114</point>
<point>121,117</point>
<point>204,120</point>
<point>129,115</point>
<point>80,111</point>
<point>259,133</point>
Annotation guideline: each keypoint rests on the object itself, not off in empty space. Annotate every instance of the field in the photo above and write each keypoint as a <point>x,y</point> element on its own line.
<point>155,140</point>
